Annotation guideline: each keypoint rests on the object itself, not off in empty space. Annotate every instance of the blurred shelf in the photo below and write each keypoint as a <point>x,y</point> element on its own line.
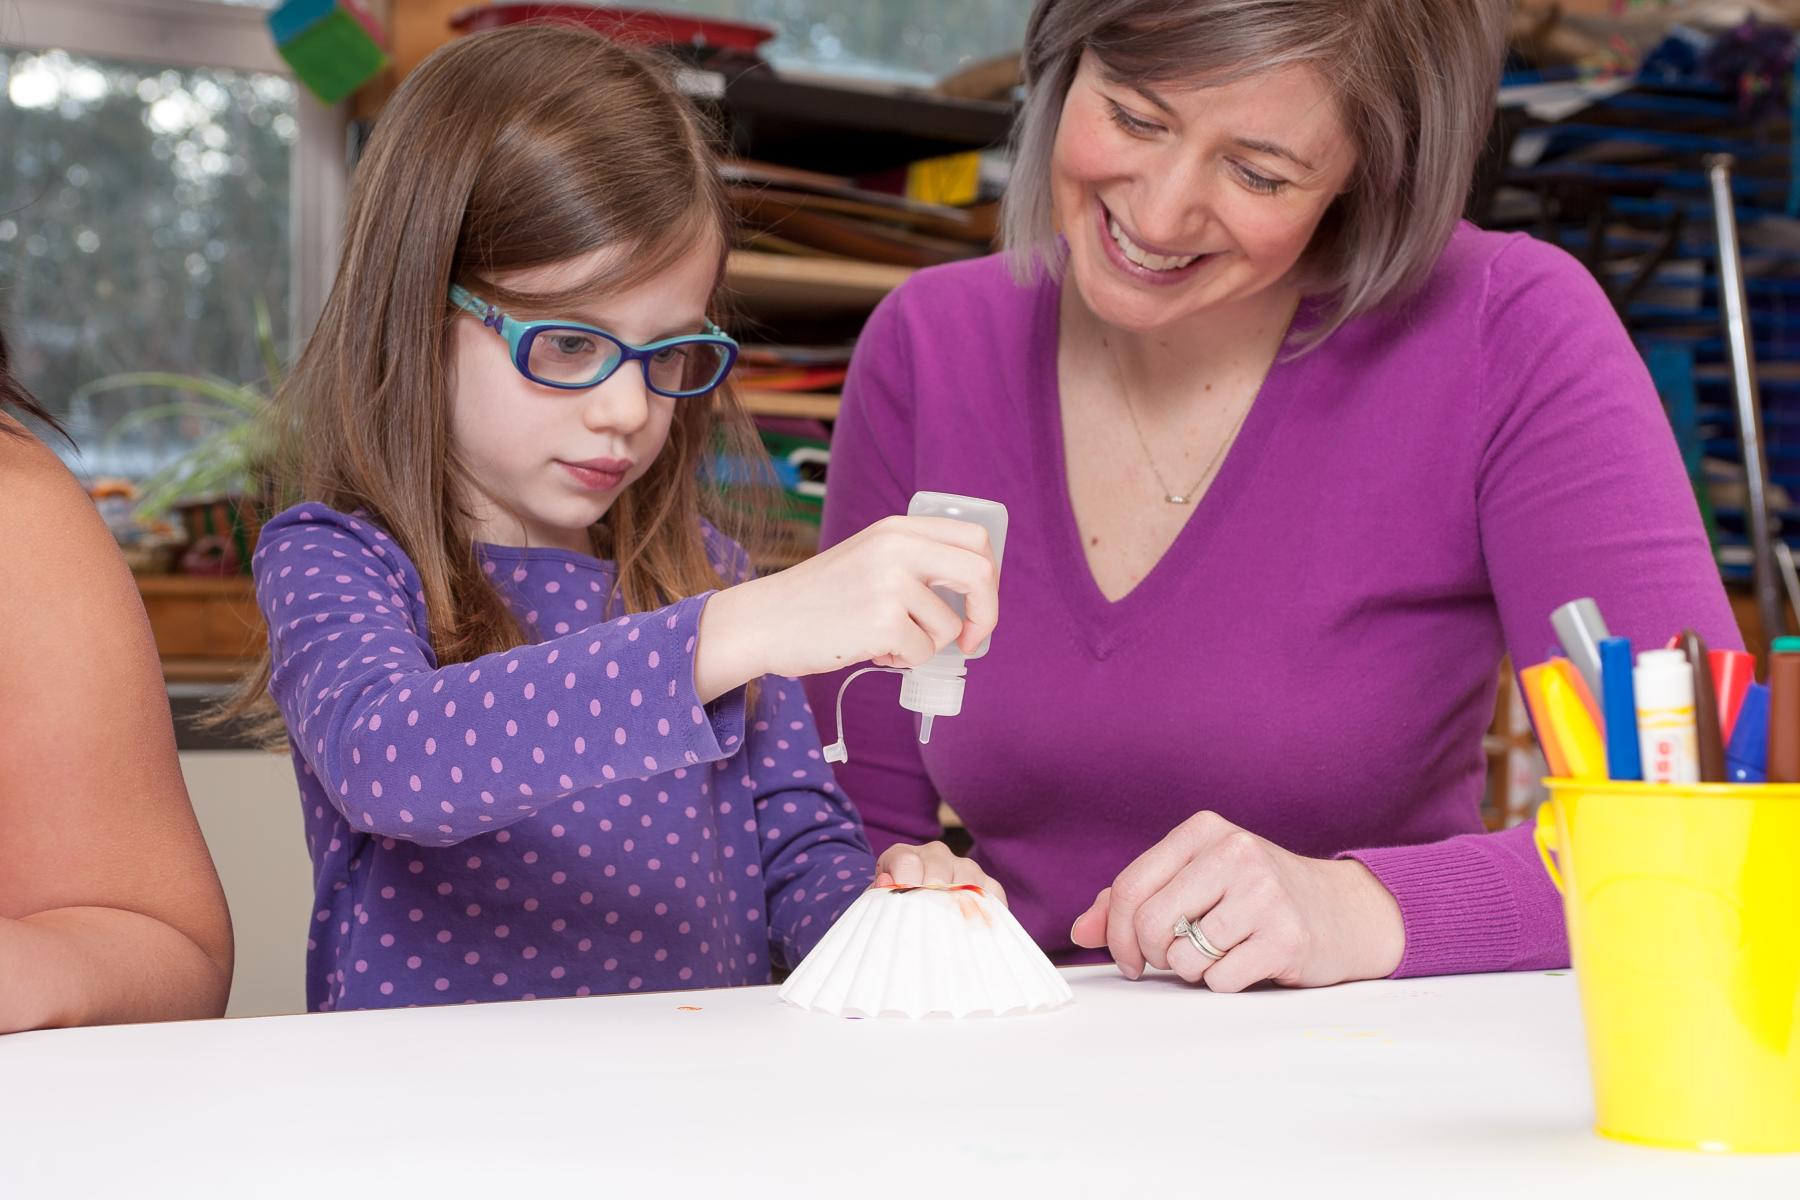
<point>766,285</point>
<point>847,126</point>
<point>207,629</point>
<point>235,587</point>
<point>812,406</point>
<point>206,670</point>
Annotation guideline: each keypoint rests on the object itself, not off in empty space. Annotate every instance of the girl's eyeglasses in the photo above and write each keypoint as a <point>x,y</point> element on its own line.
<point>569,355</point>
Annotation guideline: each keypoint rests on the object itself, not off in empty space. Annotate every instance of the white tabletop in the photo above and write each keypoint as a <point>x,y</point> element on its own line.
<point>1463,1086</point>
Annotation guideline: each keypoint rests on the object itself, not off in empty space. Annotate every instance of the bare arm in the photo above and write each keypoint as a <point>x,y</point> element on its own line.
<point>110,909</point>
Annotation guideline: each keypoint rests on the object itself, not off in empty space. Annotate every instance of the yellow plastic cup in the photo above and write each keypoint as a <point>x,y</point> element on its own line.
<point>1683,905</point>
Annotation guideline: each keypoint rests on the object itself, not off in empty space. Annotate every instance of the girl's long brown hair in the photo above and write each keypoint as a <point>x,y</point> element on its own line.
<point>14,396</point>
<point>501,152</point>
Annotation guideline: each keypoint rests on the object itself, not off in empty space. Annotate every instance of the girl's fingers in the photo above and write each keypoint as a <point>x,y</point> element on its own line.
<point>968,871</point>
<point>935,619</point>
<point>903,865</point>
<point>933,865</point>
<point>971,574</point>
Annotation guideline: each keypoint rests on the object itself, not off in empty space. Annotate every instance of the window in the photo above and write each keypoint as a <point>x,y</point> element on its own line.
<point>149,208</point>
<point>910,41</point>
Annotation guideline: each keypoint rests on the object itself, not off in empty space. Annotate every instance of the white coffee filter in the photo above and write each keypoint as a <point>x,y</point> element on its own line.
<point>925,952</point>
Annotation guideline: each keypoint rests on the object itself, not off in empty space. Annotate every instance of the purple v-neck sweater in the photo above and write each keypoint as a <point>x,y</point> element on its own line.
<point>562,819</point>
<point>1315,656</point>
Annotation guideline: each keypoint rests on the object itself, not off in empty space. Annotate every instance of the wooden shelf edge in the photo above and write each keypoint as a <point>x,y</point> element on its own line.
<point>206,670</point>
<point>814,406</point>
<point>756,266</point>
<point>195,585</point>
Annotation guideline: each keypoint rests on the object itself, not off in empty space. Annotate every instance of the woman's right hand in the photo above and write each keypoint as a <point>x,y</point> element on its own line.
<point>868,598</point>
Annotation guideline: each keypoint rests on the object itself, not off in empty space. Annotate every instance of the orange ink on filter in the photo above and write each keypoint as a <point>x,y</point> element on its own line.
<point>902,888</point>
<point>687,1008</point>
<point>972,909</point>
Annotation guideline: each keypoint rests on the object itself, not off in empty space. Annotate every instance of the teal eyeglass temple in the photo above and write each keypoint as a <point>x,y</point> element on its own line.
<point>519,336</point>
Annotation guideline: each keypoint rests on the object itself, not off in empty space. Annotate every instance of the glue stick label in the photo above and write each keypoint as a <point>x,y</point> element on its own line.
<point>1667,739</point>
<point>1669,745</point>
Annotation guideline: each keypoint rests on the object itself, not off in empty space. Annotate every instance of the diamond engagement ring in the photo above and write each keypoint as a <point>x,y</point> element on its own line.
<point>1191,931</point>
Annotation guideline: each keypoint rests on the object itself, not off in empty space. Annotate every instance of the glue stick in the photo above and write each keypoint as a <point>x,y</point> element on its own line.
<point>1667,738</point>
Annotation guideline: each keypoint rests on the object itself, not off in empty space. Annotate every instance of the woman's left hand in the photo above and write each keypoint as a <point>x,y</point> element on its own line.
<point>1301,922</point>
<point>933,865</point>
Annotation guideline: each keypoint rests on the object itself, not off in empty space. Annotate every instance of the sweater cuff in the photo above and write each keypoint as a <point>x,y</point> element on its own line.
<point>1457,904</point>
<point>713,731</point>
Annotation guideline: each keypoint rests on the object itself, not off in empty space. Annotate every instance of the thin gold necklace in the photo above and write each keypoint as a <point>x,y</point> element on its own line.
<point>1170,494</point>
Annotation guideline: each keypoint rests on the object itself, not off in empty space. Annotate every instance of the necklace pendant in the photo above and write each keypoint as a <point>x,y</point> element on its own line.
<point>1174,499</point>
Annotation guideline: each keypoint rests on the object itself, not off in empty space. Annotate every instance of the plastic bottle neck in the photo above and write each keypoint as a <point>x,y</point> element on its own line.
<point>934,689</point>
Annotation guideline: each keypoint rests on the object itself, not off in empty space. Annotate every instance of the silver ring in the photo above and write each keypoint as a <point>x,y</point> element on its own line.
<point>1191,931</point>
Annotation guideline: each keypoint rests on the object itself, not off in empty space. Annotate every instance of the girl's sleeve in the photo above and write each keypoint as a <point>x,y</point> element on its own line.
<point>408,749</point>
<point>815,858</point>
<point>1580,492</point>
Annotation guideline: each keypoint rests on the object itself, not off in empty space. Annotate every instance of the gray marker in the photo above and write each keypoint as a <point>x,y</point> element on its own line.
<point>1581,629</point>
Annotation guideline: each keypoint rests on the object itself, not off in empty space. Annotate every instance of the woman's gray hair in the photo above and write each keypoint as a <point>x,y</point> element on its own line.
<point>1414,82</point>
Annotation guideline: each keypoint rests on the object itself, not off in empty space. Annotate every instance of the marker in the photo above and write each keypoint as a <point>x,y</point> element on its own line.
<point>1619,704</point>
<point>1747,757</point>
<point>1664,682</point>
<point>1580,628</point>
<point>1706,710</point>
<point>1784,711</point>
<point>1733,673</point>
<point>1531,686</point>
<point>1571,714</point>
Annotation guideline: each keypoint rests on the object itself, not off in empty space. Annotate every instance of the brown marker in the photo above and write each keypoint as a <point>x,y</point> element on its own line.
<point>1784,711</point>
<point>1706,710</point>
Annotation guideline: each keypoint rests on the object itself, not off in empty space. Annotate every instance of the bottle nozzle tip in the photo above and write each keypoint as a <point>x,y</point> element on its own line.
<point>924,729</point>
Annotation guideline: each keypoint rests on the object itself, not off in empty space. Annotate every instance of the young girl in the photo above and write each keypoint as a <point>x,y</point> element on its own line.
<point>514,691</point>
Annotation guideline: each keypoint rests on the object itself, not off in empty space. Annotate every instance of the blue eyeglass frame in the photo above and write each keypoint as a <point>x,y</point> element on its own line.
<point>519,335</point>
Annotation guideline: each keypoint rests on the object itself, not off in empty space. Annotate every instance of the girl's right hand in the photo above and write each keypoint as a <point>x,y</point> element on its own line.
<point>868,598</point>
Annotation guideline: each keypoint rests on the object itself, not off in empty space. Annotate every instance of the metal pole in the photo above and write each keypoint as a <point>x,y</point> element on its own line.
<point>1734,309</point>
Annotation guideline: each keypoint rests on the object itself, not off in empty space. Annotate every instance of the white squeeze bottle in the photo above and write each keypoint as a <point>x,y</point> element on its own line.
<point>935,688</point>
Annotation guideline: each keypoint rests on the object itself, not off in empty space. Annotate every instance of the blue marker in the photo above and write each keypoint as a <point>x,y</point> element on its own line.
<point>1618,704</point>
<point>1747,757</point>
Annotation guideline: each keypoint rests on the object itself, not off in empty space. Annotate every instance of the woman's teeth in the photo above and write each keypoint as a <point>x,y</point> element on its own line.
<point>1141,256</point>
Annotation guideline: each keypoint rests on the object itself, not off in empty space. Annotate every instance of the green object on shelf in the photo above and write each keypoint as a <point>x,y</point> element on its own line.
<point>332,45</point>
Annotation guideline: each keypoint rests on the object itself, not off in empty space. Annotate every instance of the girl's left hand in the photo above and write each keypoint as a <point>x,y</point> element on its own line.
<point>933,864</point>
<point>1301,922</point>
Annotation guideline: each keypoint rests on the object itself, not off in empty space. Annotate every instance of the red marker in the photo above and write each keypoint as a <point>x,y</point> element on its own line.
<point>1733,673</point>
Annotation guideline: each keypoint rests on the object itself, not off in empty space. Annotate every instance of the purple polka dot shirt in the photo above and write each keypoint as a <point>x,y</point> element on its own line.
<point>562,819</point>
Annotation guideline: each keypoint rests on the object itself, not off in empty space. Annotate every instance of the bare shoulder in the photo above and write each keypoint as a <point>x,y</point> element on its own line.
<point>64,574</point>
<point>48,526</point>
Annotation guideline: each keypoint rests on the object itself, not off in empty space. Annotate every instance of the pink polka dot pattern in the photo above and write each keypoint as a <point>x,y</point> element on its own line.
<point>561,819</point>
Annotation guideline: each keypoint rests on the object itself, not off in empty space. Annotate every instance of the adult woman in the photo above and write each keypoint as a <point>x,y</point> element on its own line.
<point>1292,458</point>
<point>110,909</point>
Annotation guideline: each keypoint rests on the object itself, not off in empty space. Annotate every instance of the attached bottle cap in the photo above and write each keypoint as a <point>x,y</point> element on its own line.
<point>1786,645</point>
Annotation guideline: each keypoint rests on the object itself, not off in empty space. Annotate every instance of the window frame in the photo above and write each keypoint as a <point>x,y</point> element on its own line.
<point>233,37</point>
